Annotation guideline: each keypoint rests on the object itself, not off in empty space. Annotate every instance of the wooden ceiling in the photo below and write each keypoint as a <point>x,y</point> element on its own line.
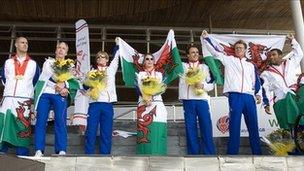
<point>245,14</point>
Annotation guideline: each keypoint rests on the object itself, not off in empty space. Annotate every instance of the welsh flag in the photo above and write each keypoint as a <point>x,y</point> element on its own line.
<point>15,127</point>
<point>168,61</point>
<point>151,120</point>
<point>152,129</point>
<point>257,47</point>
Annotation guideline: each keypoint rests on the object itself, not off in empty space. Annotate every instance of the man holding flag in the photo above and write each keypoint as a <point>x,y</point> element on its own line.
<point>280,77</point>
<point>239,83</point>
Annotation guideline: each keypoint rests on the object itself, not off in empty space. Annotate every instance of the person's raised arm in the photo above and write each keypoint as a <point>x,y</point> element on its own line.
<point>297,52</point>
<point>207,42</point>
<point>114,63</point>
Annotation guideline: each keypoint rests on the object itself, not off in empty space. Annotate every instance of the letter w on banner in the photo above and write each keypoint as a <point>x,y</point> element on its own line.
<point>257,47</point>
<point>82,67</point>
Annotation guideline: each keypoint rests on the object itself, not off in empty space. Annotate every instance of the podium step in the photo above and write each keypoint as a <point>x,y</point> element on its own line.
<point>126,146</point>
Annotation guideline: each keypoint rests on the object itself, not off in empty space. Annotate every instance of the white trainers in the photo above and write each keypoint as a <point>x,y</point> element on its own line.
<point>38,153</point>
<point>62,153</point>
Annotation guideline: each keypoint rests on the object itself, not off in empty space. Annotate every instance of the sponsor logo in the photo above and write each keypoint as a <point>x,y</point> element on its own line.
<point>273,122</point>
<point>222,124</point>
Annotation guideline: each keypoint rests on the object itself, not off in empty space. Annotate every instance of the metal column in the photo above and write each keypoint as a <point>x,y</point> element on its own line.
<point>13,36</point>
<point>148,38</point>
<point>58,34</point>
<point>103,38</point>
<point>298,24</point>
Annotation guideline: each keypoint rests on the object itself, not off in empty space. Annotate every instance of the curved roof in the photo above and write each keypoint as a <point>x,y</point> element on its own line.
<point>245,14</point>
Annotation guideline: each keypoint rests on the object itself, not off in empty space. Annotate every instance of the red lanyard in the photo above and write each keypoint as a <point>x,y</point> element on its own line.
<point>20,67</point>
<point>274,70</point>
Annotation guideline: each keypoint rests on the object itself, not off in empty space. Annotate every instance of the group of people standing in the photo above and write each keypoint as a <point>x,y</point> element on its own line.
<point>21,76</point>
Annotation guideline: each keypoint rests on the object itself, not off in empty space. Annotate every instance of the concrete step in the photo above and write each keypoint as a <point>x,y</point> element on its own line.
<point>126,146</point>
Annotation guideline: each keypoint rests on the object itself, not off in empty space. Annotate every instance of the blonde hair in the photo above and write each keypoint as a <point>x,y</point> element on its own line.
<point>64,44</point>
<point>102,54</point>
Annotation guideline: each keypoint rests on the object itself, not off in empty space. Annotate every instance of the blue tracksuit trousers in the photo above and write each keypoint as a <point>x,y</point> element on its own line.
<point>243,103</point>
<point>59,104</point>
<point>100,113</point>
<point>193,110</point>
<point>20,151</point>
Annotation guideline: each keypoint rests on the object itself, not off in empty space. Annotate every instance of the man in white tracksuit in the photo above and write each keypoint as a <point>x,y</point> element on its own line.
<point>19,75</point>
<point>280,77</point>
<point>197,106</point>
<point>240,85</point>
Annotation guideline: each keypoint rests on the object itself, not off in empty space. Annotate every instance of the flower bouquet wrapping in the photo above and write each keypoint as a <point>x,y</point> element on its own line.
<point>193,77</point>
<point>280,142</point>
<point>150,87</point>
<point>96,80</point>
<point>63,69</point>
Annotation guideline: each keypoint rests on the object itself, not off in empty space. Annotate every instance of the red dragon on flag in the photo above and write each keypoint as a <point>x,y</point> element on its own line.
<point>143,122</point>
<point>255,52</point>
<point>164,63</point>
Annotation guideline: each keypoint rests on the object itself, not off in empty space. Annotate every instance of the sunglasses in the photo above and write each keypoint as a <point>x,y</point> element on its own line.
<point>149,59</point>
<point>101,56</point>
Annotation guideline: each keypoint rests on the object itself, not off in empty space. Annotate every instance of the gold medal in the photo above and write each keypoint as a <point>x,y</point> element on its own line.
<point>19,77</point>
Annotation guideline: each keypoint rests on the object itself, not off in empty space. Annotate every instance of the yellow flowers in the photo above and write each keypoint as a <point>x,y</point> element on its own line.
<point>280,142</point>
<point>194,76</point>
<point>150,87</point>
<point>66,62</point>
<point>96,80</point>
<point>62,69</point>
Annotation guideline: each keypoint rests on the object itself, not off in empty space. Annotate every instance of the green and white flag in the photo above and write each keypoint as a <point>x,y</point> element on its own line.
<point>16,122</point>
<point>152,129</point>
<point>167,58</point>
<point>257,47</point>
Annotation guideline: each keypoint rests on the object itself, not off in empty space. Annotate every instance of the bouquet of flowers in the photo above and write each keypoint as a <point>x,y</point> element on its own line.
<point>96,80</point>
<point>63,69</point>
<point>280,142</point>
<point>150,87</point>
<point>193,77</point>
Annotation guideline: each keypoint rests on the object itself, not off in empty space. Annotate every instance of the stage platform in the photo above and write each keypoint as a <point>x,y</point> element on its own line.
<point>169,163</point>
<point>176,144</point>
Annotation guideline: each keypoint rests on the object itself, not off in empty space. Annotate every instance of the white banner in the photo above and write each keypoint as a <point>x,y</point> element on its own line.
<point>82,67</point>
<point>82,48</point>
<point>220,119</point>
<point>257,45</point>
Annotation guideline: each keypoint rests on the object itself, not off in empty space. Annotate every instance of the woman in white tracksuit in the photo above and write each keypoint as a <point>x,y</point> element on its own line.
<point>101,111</point>
<point>151,116</point>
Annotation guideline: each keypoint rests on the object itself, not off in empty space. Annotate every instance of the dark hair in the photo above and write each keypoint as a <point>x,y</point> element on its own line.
<point>189,47</point>
<point>240,42</point>
<point>277,50</point>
